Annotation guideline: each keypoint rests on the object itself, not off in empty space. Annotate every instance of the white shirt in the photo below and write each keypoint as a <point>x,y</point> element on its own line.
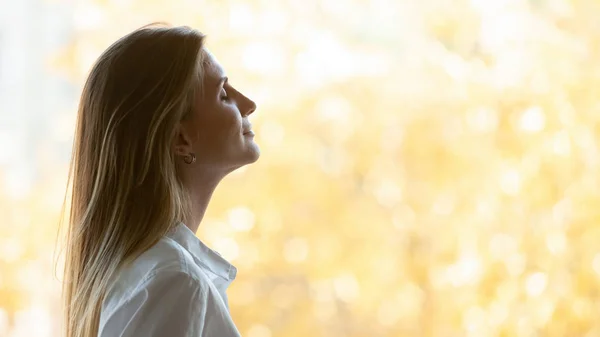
<point>174,289</point>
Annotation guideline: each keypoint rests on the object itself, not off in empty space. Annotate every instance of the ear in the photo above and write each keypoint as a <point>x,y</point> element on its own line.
<point>182,144</point>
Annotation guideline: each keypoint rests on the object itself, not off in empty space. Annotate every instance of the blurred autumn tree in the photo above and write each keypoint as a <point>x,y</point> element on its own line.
<point>429,168</point>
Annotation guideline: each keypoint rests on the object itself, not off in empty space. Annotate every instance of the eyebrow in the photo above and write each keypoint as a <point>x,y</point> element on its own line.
<point>222,81</point>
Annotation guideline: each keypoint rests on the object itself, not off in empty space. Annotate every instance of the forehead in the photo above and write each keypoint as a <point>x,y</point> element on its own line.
<point>213,71</point>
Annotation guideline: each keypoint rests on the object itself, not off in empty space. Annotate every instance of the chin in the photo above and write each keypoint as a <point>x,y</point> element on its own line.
<point>247,157</point>
<point>252,155</point>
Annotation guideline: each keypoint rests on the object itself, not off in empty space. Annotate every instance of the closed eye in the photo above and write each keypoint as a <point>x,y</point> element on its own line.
<point>224,96</point>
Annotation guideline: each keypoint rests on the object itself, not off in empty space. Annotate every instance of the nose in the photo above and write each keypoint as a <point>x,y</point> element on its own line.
<point>248,106</point>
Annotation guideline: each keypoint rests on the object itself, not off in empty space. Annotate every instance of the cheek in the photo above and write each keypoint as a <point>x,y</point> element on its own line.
<point>219,128</point>
<point>228,126</point>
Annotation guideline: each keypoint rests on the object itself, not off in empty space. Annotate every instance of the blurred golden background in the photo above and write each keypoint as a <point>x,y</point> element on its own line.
<point>429,168</point>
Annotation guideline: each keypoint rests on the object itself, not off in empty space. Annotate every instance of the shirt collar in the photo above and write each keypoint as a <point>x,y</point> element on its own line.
<point>203,255</point>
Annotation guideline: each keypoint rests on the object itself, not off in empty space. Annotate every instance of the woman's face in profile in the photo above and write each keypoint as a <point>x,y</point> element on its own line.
<point>219,129</point>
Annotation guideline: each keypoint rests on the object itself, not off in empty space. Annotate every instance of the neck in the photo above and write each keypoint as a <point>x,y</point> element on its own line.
<point>201,191</point>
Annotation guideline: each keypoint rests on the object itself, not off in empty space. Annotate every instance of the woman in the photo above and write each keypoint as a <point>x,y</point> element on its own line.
<point>158,127</point>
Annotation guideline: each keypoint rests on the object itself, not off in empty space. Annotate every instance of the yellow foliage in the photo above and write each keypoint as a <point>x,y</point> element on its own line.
<point>429,168</point>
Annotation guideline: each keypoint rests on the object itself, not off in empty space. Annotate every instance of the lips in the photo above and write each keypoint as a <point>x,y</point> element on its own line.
<point>248,130</point>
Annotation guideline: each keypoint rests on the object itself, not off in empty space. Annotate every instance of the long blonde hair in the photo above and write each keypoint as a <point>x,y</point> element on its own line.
<point>125,190</point>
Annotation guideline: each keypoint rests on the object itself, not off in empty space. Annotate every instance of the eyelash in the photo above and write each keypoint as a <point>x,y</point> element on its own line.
<point>225,97</point>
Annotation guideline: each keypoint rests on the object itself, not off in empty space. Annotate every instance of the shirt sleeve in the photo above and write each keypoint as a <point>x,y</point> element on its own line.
<point>171,304</point>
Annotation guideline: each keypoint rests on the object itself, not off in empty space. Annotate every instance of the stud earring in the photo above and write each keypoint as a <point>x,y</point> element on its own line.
<point>189,158</point>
